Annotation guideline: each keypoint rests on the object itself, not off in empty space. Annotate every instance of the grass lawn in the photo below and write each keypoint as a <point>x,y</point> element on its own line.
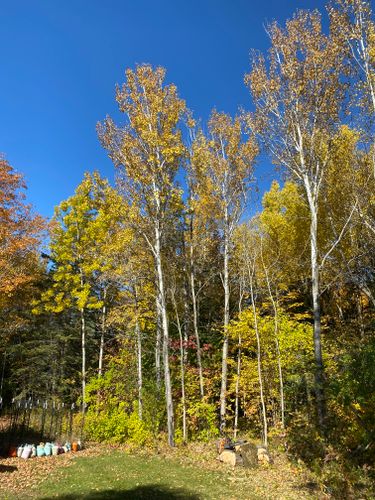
<point>105,472</point>
<point>120,475</point>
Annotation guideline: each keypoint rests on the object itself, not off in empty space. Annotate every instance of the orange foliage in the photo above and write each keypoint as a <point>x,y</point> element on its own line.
<point>20,233</point>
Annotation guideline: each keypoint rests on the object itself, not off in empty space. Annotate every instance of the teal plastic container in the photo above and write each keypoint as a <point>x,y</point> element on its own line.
<point>48,449</point>
<point>40,451</point>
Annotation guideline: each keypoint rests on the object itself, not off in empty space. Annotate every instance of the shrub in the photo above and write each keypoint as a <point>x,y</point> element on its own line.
<point>203,421</point>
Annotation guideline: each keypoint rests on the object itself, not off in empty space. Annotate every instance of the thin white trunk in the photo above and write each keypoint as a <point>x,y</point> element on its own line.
<point>158,341</point>
<point>224,368</point>
<point>195,311</point>
<point>186,295</point>
<point>101,348</point>
<point>277,345</point>
<point>196,331</point>
<point>259,359</point>
<point>182,371</point>
<point>83,332</point>
<point>315,289</point>
<point>164,321</point>
<point>279,367</point>
<point>236,402</point>
<point>251,272</point>
<point>139,369</point>
<point>237,395</point>
<point>83,344</point>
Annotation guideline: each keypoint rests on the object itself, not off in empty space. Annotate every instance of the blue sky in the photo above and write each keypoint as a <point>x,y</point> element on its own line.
<point>60,61</point>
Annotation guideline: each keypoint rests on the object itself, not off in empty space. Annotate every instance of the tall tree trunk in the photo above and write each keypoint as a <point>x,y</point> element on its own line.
<point>158,345</point>
<point>83,344</point>
<point>102,336</point>
<point>259,357</point>
<point>163,310</point>
<point>236,401</point>
<point>224,368</point>
<point>196,331</point>
<point>315,289</point>
<point>139,369</point>
<point>186,295</point>
<point>277,345</point>
<point>182,370</point>
<point>195,311</point>
<point>279,367</point>
<point>237,394</point>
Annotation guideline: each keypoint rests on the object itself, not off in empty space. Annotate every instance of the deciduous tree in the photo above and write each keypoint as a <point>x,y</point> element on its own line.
<point>149,150</point>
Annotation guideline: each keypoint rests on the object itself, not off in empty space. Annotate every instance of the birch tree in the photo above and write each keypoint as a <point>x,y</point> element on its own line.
<point>353,30</point>
<point>223,165</point>
<point>148,150</point>
<point>298,95</point>
<point>201,249</point>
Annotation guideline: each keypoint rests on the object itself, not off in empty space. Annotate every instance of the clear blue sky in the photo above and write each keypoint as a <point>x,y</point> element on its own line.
<point>61,59</point>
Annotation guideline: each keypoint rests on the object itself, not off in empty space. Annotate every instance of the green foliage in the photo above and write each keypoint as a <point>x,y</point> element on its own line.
<point>203,421</point>
<point>352,402</point>
<point>117,425</point>
<point>113,414</point>
<point>295,350</point>
<point>108,426</point>
<point>79,232</point>
<point>139,432</point>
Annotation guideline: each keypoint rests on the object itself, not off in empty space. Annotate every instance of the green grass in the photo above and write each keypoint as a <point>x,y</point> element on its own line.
<point>120,475</point>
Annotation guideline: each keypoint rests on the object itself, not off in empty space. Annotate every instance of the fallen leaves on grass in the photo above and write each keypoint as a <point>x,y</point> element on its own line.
<point>18,475</point>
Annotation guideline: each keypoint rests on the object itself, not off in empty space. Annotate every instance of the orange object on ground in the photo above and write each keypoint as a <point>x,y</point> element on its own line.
<point>12,452</point>
<point>75,446</point>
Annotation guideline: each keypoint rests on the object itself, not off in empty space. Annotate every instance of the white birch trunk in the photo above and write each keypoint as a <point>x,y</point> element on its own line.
<point>83,346</point>
<point>164,320</point>
<point>196,331</point>
<point>182,371</point>
<point>236,402</point>
<point>237,394</point>
<point>259,364</point>
<point>195,311</point>
<point>277,346</point>
<point>158,341</point>
<point>315,288</point>
<point>101,348</point>
<point>139,369</point>
<point>224,368</point>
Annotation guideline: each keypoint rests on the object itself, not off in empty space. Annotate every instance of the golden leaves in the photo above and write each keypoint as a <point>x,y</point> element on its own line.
<point>149,148</point>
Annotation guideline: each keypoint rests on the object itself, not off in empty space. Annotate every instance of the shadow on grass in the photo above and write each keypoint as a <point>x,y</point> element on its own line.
<point>8,468</point>
<point>145,492</point>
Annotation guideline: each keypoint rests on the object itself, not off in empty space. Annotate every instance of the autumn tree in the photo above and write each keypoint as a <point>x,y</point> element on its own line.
<point>149,150</point>
<point>20,233</point>
<point>222,164</point>
<point>80,229</point>
<point>353,31</point>
<point>201,249</point>
<point>132,274</point>
<point>298,93</point>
